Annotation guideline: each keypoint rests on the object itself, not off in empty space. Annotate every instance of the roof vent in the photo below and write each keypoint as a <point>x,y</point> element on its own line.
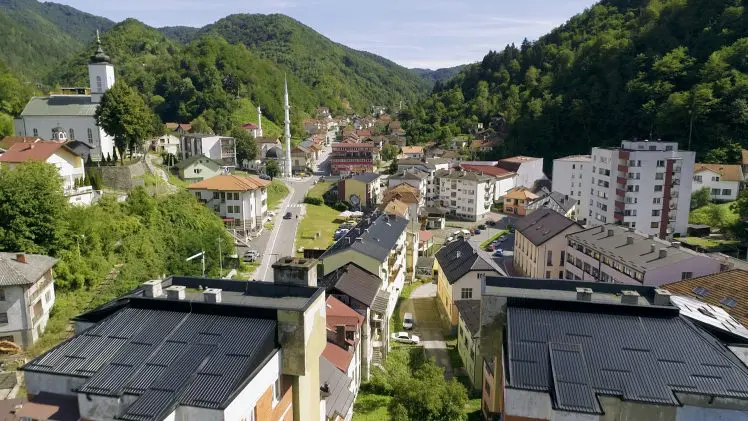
<point>610,233</point>
<point>458,254</point>
<point>584,294</point>
<point>652,248</point>
<point>663,253</point>
<point>629,239</point>
<point>21,258</point>
<point>662,297</point>
<point>175,292</point>
<point>630,297</point>
<point>152,288</point>
<point>359,239</point>
<point>675,244</point>
<point>212,295</point>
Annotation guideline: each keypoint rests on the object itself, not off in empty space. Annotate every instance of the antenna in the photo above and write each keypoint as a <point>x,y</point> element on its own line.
<point>195,256</point>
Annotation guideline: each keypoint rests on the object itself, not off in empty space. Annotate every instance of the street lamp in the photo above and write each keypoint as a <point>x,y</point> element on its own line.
<point>201,254</point>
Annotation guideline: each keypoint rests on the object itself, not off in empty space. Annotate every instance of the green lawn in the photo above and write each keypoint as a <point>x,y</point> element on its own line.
<point>320,189</point>
<point>371,407</point>
<point>710,244</point>
<point>318,219</point>
<point>715,215</point>
<point>277,191</point>
<point>498,234</point>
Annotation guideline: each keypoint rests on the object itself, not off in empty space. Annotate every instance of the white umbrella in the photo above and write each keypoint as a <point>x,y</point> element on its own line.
<point>345,214</point>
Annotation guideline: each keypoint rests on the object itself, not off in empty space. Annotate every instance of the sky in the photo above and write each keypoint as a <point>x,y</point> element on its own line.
<point>414,33</point>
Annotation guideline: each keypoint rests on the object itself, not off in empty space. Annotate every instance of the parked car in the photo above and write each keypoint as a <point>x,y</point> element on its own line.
<point>408,321</point>
<point>251,255</point>
<point>449,239</point>
<point>498,253</point>
<point>406,338</point>
<point>476,232</point>
<point>265,177</point>
<point>465,232</point>
<point>482,226</point>
<point>287,215</point>
<point>491,223</point>
<point>456,233</point>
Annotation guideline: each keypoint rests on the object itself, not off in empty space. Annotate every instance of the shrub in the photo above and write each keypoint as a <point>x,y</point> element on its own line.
<point>313,200</point>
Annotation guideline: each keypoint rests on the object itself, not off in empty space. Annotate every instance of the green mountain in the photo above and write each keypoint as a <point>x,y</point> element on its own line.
<point>619,70</point>
<point>440,75</point>
<point>37,37</point>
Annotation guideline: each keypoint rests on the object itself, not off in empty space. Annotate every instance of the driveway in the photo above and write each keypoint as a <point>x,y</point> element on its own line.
<point>428,325</point>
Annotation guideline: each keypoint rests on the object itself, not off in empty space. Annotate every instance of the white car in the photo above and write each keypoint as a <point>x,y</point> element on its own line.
<point>465,233</point>
<point>406,338</point>
<point>408,321</point>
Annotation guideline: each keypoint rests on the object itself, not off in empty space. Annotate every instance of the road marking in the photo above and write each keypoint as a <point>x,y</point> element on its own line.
<point>274,234</point>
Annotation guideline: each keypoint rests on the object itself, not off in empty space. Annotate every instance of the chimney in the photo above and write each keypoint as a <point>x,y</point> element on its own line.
<point>663,253</point>
<point>675,244</point>
<point>296,271</point>
<point>340,336</point>
<point>662,297</point>
<point>629,239</point>
<point>652,248</point>
<point>21,258</point>
<point>584,294</point>
<point>175,292</point>
<point>610,233</point>
<point>212,295</point>
<point>629,297</point>
<point>151,289</point>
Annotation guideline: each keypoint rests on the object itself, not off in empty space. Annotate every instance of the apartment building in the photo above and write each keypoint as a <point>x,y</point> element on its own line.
<point>722,181</point>
<point>363,190</point>
<point>27,295</point>
<point>412,176</point>
<point>465,195</point>
<point>585,351</point>
<point>352,157</point>
<point>643,185</point>
<point>540,244</point>
<point>230,350</point>
<point>218,148</point>
<point>240,201</point>
<point>569,177</point>
<point>612,253</point>
<point>429,167</point>
<point>503,180</point>
<point>528,169</point>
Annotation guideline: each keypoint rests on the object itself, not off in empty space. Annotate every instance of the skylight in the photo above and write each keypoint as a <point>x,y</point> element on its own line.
<point>701,292</point>
<point>729,302</point>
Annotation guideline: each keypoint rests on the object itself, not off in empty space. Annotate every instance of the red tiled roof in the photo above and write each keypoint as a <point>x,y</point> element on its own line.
<point>23,152</point>
<point>9,141</point>
<point>338,313</point>
<point>717,288</point>
<point>487,169</point>
<point>229,183</point>
<point>412,149</point>
<point>338,356</point>
<point>727,172</point>
<point>362,133</point>
<point>249,126</point>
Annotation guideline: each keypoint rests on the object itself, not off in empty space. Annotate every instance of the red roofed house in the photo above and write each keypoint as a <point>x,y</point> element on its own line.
<point>425,241</point>
<point>69,165</point>
<point>504,180</point>
<point>240,201</point>
<point>252,129</point>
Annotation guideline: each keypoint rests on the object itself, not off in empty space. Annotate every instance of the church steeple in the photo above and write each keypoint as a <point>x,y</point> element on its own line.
<point>100,72</point>
<point>99,56</point>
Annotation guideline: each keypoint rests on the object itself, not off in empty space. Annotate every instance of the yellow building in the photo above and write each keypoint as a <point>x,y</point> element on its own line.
<point>361,190</point>
<point>540,244</point>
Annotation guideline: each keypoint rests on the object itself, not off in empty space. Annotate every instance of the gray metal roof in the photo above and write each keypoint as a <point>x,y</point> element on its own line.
<point>409,174</point>
<point>557,201</point>
<point>469,311</point>
<point>460,256</point>
<point>354,281</point>
<point>375,236</point>
<point>13,272</point>
<point>542,225</point>
<point>638,254</point>
<point>340,397</point>
<point>165,357</point>
<point>366,177</point>
<point>576,355</point>
<point>60,105</point>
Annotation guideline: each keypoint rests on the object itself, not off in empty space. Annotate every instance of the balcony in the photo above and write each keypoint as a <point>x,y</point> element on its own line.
<point>621,180</point>
<point>623,168</point>
<point>620,205</point>
<point>620,192</point>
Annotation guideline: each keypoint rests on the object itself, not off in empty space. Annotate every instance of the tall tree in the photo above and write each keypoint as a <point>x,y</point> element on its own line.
<point>246,147</point>
<point>124,115</point>
<point>199,125</point>
<point>271,168</point>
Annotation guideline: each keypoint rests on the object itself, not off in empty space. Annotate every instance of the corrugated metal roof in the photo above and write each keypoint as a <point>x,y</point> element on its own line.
<point>639,358</point>
<point>60,105</point>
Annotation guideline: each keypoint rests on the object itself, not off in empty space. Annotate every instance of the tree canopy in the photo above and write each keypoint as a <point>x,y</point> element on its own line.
<point>246,147</point>
<point>124,115</point>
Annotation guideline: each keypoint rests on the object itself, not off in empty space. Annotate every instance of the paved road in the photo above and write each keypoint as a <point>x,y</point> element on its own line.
<point>428,325</point>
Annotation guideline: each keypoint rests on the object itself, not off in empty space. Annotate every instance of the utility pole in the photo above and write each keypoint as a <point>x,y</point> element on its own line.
<point>690,128</point>
<point>195,256</point>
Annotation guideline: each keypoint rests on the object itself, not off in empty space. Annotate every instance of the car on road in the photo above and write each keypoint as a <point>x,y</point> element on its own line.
<point>408,321</point>
<point>498,253</point>
<point>406,338</point>
<point>465,232</point>
<point>250,255</point>
<point>476,232</point>
<point>287,215</point>
<point>340,233</point>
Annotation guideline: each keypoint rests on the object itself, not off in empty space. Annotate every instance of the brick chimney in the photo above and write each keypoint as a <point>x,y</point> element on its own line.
<point>21,258</point>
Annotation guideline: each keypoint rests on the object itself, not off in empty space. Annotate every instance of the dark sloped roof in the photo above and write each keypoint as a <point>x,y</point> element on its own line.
<point>340,398</point>
<point>469,311</point>
<point>354,281</point>
<point>194,158</point>
<point>460,257</point>
<point>365,177</point>
<point>375,236</point>
<point>164,357</point>
<point>13,272</point>
<point>575,355</point>
<point>542,225</point>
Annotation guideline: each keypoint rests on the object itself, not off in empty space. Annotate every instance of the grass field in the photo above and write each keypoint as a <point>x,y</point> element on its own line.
<point>318,219</point>
<point>371,407</point>
<point>710,243</point>
<point>277,191</point>
<point>320,189</point>
<point>715,215</point>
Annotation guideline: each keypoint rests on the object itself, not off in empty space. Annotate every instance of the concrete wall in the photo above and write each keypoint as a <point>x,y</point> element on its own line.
<point>529,172</point>
<point>503,185</point>
<point>527,403</point>
<point>14,306</point>
<point>100,408</point>
<point>122,177</point>
<point>52,383</point>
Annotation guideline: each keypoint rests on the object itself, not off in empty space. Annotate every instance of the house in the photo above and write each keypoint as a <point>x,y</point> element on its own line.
<point>198,168</point>
<point>69,165</point>
<point>406,194</point>
<point>724,290</point>
<point>240,201</point>
<point>568,177</point>
<point>9,141</point>
<point>27,293</point>
<point>482,145</point>
<point>425,242</point>
<point>643,185</point>
<point>459,269</point>
<point>463,194</point>
<point>192,348</point>
<point>457,144</point>
<point>352,158</point>
<point>540,244</point>
<point>517,199</point>
<point>218,148</point>
<point>412,152</point>
<point>559,202</point>
<point>73,111</point>
<point>591,351</point>
<point>414,177</point>
<point>723,181</point>
<point>302,158</point>
<point>396,207</point>
<point>363,190</point>
<point>166,144</point>
<point>527,168</point>
<point>255,129</point>
<point>612,253</point>
<point>503,180</point>
<point>468,340</point>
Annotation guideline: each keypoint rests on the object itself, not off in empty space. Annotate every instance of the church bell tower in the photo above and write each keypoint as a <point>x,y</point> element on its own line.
<point>100,72</point>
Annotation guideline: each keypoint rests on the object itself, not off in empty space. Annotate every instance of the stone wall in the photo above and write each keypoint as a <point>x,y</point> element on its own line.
<point>124,178</point>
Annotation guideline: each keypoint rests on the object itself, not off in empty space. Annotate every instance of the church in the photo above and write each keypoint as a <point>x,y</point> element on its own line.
<point>71,114</point>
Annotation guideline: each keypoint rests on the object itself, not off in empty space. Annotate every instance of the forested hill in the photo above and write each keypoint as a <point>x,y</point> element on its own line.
<point>621,69</point>
<point>440,75</point>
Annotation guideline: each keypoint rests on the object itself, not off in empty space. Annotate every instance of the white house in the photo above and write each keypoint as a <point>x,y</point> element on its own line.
<point>68,164</point>
<point>73,110</point>
<point>568,177</point>
<point>166,144</point>
<point>528,169</point>
<point>27,294</point>
<point>723,181</point>
<point>503,180</point>
<point>218,148</point>
<point>240,201</point>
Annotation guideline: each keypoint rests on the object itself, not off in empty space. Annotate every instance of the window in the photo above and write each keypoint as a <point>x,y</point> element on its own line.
<point>90,136</point>
<point>657,201</point>
<point>36,133</point>
<point>4,318</point>
<point>197,196</point>
<point>655,212</point>
<point>99,89</point>
<point>466,293</point>
<point>2,294</point>
<point>560,274</point>
<point>481,276</point>
<point>561,260</point>
<point>632,188</point>
<point>715,192</point>
<point>686,275</point>
<point>72,134</point>
<point>660,163</point>
<point>726,192</point>
<point>729,302</point>
<point>697,178</point>
<point>660,176</point>
<point>276,391</point>
<point>548,274</point>
<point>658,187</point>
<point>549,260</point>
<point>654,225</point>
<point>715,178</point>
<point>216,195</point>
<point>197,170</point>
<point>48,296</point>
